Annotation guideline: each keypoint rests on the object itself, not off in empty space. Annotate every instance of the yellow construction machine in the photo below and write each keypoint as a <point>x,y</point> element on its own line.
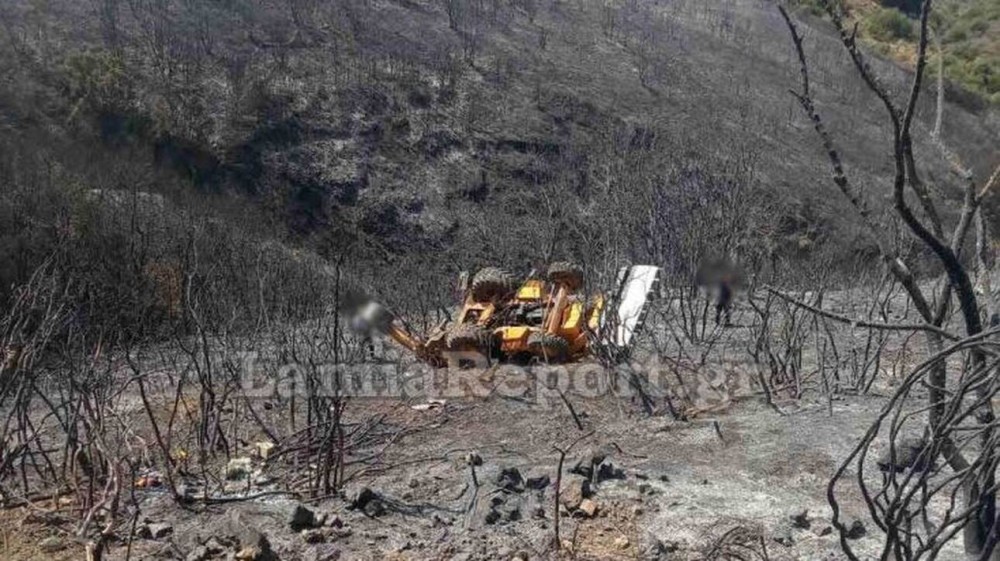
<point>541,318</point>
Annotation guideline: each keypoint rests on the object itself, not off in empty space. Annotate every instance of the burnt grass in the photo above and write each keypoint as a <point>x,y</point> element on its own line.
<point>413,122</point>
<point>713,468</point>
<point>415,139</point>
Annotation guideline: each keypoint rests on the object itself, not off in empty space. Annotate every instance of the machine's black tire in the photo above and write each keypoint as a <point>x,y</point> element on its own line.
<point>567,274</point>
<point>490,283</point>
<point>552,348</point>
<point>464,337</point>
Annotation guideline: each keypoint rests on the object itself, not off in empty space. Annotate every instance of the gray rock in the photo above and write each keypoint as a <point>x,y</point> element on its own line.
<point>313,536</point>
<point>339,533</point>
<point>247,537</point>
<point>510,479</point>
<point>822,530</point>
<point>537,481</point>
<point>51,544</point>
<point>856,530</point>
<point>587,461</point>
<point>783,536</point>
<point>322,552</point>
<point>904,455</point>
<point>301,518</point>
<point>374,508</point>
<point>501,508</point>
<point>606,471</point>
<point>154,531</point>
<point>185,494</point>
<point>800,520</point>
<point>653,548</point>
<point>358,497</point>
<point>213,546</point>
<point>263,480</point>
<point>646,489</point>
<point>199,553</point>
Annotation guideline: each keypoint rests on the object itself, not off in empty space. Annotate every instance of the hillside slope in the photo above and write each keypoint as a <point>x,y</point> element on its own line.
<point>466,128</point>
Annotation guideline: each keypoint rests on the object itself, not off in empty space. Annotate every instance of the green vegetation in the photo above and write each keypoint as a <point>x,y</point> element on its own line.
<point>888,24</point>
<point>907,6</point>
<point>969,31</point>
<point>970,34</point>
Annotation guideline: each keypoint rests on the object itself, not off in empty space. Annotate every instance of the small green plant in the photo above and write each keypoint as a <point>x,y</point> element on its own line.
<point>889,24</point>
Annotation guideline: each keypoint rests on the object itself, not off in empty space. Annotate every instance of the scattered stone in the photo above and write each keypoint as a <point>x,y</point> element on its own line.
<point>606,471</point>
<point>502,507</point>
<point>199,553</point>
<point>334,521</point>
<point>302,518</point>
<point>655,549</point>
<point>238,468</point>
<point>213,546</point>
<point>473,459</point>
<point>856,530</point>
<point>358,497</point>
<point>906,454</point>
<point>574,490</point>
<point>646,489</point>
<point>51,544</point>
<point>538,512</point>
<point>537,482</point>
<point>664,479</point>
<point>249,553</point>
<point>588,508</point>
<point>339,533</point>
<point>783,536</point>
<point>263,480</point>
<point>313,536</point>
<point>154,531</point>
<point>520,556</point>
<point>822,530</point>
<point>249,541</point>
<point>374,508</point>
<point>587,461</point>
<point>264,449</point>
<point>621,542</point>
<point>323,552</point>
<point>510,479</point>
<point>185,494</point>
<point>800,520</point>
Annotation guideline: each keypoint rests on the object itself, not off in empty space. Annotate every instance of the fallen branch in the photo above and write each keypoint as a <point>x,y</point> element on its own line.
<point>862,323</point>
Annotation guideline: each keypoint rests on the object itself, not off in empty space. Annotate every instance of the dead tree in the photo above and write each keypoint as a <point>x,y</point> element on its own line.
<point>978,518</point>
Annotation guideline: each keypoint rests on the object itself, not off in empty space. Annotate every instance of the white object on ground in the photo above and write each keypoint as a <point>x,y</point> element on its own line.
<point>637,285</point>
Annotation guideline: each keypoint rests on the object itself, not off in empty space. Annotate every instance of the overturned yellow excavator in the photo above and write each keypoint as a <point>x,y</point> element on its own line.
<point>543,318</point>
